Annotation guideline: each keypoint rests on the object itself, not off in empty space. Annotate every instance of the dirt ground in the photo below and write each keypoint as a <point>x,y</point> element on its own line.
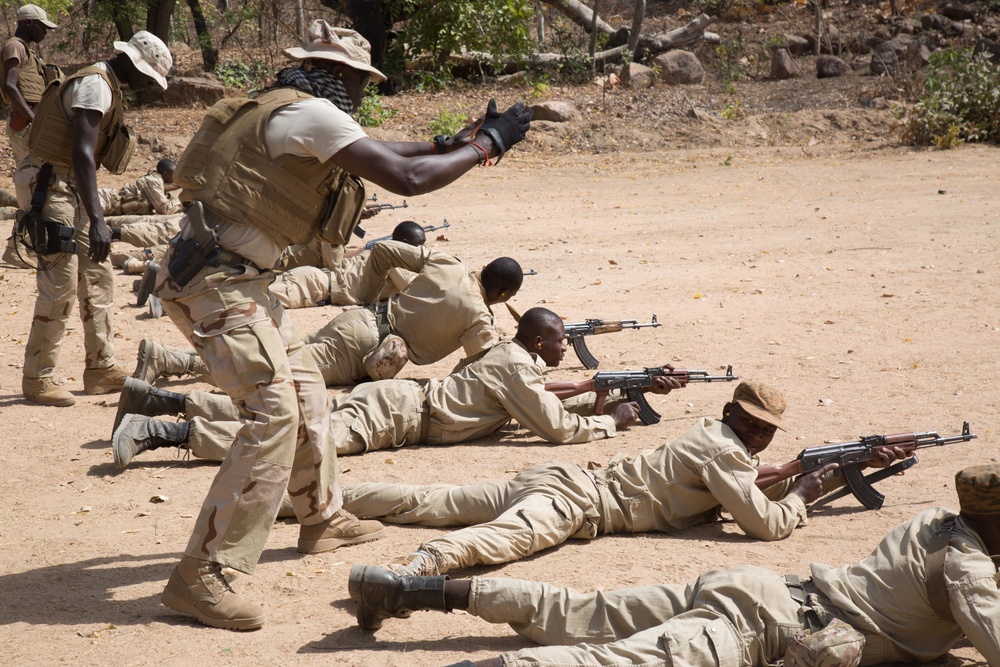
<point>861,282</point>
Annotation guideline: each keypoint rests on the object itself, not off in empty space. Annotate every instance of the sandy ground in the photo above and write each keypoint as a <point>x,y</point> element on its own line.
<point>858,283</point>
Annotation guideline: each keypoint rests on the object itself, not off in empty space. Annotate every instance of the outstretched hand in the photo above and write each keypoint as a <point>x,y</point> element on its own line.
<point>667,383</point>
<point>506,129</point>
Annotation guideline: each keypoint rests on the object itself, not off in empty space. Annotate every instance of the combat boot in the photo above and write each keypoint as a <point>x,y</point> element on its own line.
<point>147,284</point>
<point>104,380</point>
<point>134,267</point>
<point>154,360</point>
<point>45,391</point>
<point>138,433</point>
<point>155,307</point>
<point>382,594</point>
<point>341,529</point>
<point>142,398</point>
<point>198,588</point>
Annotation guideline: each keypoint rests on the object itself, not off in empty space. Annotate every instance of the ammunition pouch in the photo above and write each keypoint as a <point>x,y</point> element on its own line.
<point>189,256</point>
<point>119,150</point>
<point>343,211</point>
<point>46,237</point>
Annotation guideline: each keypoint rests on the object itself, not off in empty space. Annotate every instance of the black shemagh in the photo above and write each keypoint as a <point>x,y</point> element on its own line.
<point>317,83</point>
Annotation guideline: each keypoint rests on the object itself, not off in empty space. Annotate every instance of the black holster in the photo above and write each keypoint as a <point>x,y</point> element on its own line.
<point>191,255</point>
<point>46,237</point>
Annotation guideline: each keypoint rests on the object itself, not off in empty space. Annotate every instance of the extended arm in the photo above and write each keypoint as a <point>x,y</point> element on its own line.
<point>540,411</point>
<point>85,130</point>
<point>10,90</point>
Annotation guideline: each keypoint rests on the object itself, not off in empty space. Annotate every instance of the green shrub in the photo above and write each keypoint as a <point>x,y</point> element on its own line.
<point>961,102</point>
<point>448,122</point>
<point>244,75</point>
<point>372,113</point>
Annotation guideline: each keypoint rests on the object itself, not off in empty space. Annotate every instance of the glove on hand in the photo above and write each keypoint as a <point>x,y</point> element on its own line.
<point>508,128</point>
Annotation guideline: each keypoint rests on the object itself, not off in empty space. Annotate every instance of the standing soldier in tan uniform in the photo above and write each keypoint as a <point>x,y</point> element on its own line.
<point>78,126</point>
<point>929,583</point>
<point>23,76</point>
<point>505,383</point>
<point>258,176</point>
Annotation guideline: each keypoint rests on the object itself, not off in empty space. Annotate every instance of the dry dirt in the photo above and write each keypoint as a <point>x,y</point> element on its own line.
<point>857,277</point>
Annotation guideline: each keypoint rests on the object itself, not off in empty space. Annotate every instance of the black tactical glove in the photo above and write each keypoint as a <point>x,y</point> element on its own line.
<point>508,128</point>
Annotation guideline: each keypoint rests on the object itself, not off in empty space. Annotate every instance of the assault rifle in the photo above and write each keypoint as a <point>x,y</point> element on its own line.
<point>375,208</point>
<point>427,228</point>
<point>576,331</point>
<point>852,456</point>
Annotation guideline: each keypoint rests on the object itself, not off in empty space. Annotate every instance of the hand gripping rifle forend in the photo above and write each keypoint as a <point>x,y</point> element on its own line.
<point>577,331</point>
<point>853,455</point>
<point>634,383</point>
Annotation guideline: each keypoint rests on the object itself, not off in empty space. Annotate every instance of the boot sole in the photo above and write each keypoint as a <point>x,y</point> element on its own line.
<point>142,362</point>
<point>331,543</point>
<point>65,403</point>
<point>122,408</point>
<point>119,464</point>
<point>175,602</point>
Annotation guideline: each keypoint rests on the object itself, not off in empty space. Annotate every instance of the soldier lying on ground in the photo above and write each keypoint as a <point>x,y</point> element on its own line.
<point>146,195</point>
<point>931,581</point>
<point>687,482</point>
<point>444,307</point>
<point>505,383</point>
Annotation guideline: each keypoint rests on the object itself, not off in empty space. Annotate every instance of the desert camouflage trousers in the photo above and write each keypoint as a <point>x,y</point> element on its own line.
<point>741,617</point>
<point>304,287</point>
<point>255,355</point>
<point>146,231</point>
<point>71,277</point>
<point>542,506</point>
<point>339,348</point>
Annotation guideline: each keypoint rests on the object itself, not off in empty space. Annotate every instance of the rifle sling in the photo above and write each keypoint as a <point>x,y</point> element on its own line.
<point>937,550</point>
<point>41,188</point>
<point>870,478</point>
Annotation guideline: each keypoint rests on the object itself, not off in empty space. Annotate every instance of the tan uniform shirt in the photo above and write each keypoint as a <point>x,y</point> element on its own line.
<point>685,482</point>
<point>443,308</point>
<point>507,382</point>
<point>150,187</point>
<point>885,593</point>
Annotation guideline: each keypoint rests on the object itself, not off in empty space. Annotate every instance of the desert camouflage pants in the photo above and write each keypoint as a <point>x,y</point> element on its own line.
<point>304,287</point>
<point>315,253</point>
<point>255,356</point>
<point>339,348</point>
<point>72,277</point>
<point>540,507</point>
<point>742,617</point>
<point>19,146</point>
<point>145,231</point>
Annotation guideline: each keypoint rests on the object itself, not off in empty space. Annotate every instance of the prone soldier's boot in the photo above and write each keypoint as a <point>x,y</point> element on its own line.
<point>147,284</point>
<point>142,398</point>
<point>154,360</point>
<point>198,588</point>
<point>340,530</point>
<point>134,267</point>
<point>382,594</point>
<point>138,433</point>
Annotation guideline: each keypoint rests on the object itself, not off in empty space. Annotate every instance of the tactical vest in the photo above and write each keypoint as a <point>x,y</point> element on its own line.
<point>32,77</point>
<point>51,136</point>
<point>226,166</point>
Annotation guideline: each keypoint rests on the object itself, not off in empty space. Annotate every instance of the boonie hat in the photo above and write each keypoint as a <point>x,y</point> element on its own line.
<point>34,12</point>
<point>339,44</point>
<point>149,55</point>
<point>761,401</point>
<point>978,489</point>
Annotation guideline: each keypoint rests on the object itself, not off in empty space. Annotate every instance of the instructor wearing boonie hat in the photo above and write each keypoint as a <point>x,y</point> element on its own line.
<point>79,125</point>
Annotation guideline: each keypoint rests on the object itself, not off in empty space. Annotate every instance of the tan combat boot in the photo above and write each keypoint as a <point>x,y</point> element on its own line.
<point>45,391</point>
<point>340,530</point>
<point>133,266</point>
<point>197,588</point>
<point>155,360</point>
<point>104,380</point>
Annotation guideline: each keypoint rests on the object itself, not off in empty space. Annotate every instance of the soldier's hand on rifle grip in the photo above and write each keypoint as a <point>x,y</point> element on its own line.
<point>886,455</point>
<point>602,396</point>
<point>810,487</point>
<point>370,212</point>
<point>100,240</point>
<point>625,414</point>
<point>667,383</point>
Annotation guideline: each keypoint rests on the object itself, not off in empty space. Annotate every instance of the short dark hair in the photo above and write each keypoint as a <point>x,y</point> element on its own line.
<point>166,164</point>
<point>410,232</point>
<point>536,322</point>
<point>503,274</point>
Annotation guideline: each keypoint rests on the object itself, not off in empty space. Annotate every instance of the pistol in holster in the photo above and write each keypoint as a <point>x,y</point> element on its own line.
<point>46,237</point>
<point>193,254</point>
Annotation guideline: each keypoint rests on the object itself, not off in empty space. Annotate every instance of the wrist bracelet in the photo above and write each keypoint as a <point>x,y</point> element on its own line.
<point>486,161</point>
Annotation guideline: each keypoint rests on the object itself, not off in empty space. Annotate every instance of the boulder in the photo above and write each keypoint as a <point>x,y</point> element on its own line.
<point>679,67</point>
<point>794,44</point>
<point>934,22</point>
<point>960,12</point>
<point>917,54</point>
<point>782,66</point>
<point>830,66</point>
<point>884,60</point>
<point>556,112</point>
<point>990,47</point>
<point>908,26</point>
<point>187,91</point>
<point>635,75</point>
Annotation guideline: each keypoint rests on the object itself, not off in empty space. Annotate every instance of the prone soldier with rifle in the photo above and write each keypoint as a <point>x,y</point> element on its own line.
<point>392,237</point>
<point>577,332</point>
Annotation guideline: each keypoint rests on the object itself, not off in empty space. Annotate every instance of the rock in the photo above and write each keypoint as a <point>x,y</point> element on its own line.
<point>180,47</point>
<point>960,12</point>
<point>8,213</point>
<point>635,75</point>
<point>7,197</point>
<point>884,61</point>
<point>782,66</point>
<point>917,55</point>
<point>831,41</point>
<point>679,67</point>
<point>185,91</point>
<point>829,67</point>
<point>700,116</point>
<point>989,46</point>
<point>933,22</point>
<point>794,44</point>
<point>556,112</point>
<point>908,26</point>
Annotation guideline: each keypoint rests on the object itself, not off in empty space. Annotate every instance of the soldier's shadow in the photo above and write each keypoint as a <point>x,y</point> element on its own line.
<point>356,639</point>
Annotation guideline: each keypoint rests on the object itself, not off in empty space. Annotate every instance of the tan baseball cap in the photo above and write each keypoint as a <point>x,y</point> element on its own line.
<point>341,44</point>
<point>34,12</point>
<point>978,489</point>
<point>761,401</point>
<point>149,55</point>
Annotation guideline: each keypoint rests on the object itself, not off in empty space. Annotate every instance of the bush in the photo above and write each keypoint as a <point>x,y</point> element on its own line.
<point>244,75</point>
<point>448,122</point>
<point>372,113</point>
<point>961,102</point>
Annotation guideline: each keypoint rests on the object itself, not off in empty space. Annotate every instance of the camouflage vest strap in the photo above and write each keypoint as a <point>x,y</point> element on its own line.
<point>227,167</point>
<point>937,550</point>
<point>51,136</point>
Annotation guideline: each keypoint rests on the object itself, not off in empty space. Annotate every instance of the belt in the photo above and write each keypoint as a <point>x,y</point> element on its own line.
<point>234,259</point>
<point>382,322</point>
<point>800,590</point>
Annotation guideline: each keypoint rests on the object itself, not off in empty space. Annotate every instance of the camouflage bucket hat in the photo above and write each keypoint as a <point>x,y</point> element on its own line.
<point>978,489</point>
<point>761,401</point>
<point>836,645</point>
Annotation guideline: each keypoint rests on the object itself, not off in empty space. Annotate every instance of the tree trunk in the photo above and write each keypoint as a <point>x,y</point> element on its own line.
<point>638,14</point>
<point>300,19</point>
<point>158,14</point>
<point>593,29</point>
<point>540,18</point>
<point>580,14</point>
<point>209,54</point>
<point>687,34</point>
<point>123,25</point>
